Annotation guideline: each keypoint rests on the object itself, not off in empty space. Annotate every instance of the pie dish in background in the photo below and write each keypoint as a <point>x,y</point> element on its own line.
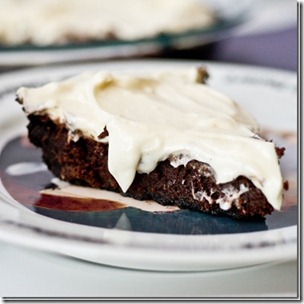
<point>18,45</point>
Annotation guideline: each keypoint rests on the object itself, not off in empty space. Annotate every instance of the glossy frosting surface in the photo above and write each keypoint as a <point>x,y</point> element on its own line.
<point>153,116</point>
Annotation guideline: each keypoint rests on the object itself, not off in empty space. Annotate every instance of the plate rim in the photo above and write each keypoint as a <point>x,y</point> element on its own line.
<point>290,253</point>
<point>149,61</point>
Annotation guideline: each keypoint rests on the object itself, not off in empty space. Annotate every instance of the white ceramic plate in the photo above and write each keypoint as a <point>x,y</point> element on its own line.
<point>131,240</point>
<point>231,14</point>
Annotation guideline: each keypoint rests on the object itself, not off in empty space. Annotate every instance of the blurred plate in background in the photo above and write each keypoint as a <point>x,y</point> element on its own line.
<point>230,14</point>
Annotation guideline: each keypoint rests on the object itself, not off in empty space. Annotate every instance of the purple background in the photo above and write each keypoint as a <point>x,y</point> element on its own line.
<point>276,49</point>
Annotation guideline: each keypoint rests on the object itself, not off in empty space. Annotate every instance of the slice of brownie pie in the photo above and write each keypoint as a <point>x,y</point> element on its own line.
<point>156,135</point>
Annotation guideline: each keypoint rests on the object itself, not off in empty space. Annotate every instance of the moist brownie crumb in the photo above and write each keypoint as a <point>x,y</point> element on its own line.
<point>192,186</point>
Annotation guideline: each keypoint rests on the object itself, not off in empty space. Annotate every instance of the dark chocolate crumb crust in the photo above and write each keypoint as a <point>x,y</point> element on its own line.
<point>193,186</point>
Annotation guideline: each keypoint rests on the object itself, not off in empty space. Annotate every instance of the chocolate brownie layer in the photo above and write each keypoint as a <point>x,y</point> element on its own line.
<point>193,186</point>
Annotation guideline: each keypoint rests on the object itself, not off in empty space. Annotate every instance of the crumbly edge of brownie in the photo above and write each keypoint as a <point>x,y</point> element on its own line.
<point>193,186</point>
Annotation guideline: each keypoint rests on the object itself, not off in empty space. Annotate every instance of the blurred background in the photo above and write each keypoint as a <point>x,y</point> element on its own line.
<point>255,32</point>
<point>267,37</point>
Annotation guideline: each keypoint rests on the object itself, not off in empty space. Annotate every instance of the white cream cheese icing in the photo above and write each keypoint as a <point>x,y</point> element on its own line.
<point>151,116</point>
<point>57,21</point>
